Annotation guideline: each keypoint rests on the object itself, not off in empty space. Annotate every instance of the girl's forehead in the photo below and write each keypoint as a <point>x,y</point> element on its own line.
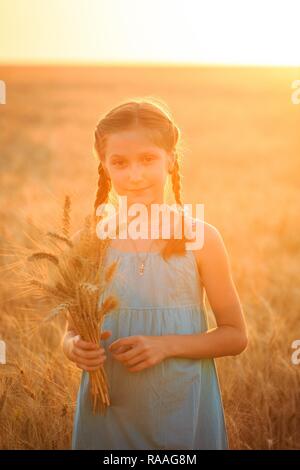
<point>132,151</point>
<point>131,141</point>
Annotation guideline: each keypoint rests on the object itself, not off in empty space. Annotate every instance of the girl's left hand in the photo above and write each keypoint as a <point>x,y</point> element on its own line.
<point>140,351</point>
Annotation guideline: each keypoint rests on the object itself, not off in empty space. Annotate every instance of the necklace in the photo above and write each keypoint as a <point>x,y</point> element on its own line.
<point>143,262</point>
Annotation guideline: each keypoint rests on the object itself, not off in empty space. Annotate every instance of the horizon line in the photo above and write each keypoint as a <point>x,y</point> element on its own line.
<point>140,64</point>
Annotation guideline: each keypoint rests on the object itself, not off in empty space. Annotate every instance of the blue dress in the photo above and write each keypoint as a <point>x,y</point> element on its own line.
<point>175,404</point>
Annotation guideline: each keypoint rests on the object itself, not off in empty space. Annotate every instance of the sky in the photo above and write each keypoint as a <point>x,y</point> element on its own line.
<point>230,32</point>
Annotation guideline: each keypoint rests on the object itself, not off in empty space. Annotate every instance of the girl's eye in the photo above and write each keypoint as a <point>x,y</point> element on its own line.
<point>120,163</point>
<point>148,159</point>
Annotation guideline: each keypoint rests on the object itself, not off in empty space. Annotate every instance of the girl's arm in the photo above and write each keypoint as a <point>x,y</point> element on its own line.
<point>68,340</point>
<point>230,337</point>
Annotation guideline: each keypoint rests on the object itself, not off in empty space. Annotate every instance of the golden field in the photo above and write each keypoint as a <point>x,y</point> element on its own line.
<point>241,159</point>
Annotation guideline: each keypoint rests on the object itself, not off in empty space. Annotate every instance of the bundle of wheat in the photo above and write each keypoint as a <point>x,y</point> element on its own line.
<point>71,281</point>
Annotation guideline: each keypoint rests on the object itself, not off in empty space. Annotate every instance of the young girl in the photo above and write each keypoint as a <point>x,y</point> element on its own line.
<point>156,346</point>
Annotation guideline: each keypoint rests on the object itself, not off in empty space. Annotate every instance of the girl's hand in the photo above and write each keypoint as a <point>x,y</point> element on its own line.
<point>140,351</point>
<point>88,356</point>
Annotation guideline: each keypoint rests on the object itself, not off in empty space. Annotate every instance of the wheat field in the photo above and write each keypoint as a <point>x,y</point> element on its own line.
<point>241,158</point>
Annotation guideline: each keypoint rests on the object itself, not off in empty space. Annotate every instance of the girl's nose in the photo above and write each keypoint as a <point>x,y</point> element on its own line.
<point>135,175</point>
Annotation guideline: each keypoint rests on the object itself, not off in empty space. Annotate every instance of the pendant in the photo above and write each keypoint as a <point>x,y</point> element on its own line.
<point>142,269</point>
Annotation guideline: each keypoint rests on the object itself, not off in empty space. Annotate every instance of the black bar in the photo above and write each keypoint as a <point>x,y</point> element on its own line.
<point>81,458</point>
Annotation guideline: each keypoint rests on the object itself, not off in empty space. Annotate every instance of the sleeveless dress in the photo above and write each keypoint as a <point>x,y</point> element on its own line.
<point>175,404</point>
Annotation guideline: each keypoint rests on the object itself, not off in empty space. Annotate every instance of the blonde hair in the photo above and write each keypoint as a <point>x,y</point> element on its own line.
<point>155,117</point>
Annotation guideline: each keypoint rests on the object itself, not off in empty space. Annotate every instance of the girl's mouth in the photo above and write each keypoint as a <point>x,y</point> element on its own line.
<point>139,190</point>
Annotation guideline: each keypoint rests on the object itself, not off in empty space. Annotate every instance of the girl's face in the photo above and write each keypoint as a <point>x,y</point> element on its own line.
<point>138,169</point>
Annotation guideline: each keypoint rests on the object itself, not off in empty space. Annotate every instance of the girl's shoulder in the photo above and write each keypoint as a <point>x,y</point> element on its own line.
<point>204,239</point>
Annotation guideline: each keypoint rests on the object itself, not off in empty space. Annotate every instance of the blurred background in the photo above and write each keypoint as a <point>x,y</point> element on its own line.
<point>227,71</point>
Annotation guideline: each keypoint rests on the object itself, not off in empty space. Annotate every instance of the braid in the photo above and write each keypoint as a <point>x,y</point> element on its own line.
<point>176,182</point>
<point>176,245</point>
<point>104,187</point>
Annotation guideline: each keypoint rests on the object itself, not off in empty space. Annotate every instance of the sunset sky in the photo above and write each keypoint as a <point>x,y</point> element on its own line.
<point>258,32</point>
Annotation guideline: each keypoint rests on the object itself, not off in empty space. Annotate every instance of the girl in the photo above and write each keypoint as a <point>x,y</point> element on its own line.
<point>158,351</point>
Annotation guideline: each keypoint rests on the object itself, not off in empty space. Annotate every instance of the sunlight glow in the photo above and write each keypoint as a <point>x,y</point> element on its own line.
<point>141,31</point>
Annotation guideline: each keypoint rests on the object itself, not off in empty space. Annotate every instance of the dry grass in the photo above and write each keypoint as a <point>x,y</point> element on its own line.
<point>242,161</point>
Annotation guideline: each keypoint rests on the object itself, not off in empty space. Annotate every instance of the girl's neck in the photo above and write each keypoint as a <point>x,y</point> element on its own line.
<point>160,223</point>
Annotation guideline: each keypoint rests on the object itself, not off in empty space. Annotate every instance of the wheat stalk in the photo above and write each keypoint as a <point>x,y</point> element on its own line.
<point>58,237</point>
<point>66,217</point>
<point>73,283</point>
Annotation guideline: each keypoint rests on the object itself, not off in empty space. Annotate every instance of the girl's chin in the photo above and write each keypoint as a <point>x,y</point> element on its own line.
<point>142,196</point>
